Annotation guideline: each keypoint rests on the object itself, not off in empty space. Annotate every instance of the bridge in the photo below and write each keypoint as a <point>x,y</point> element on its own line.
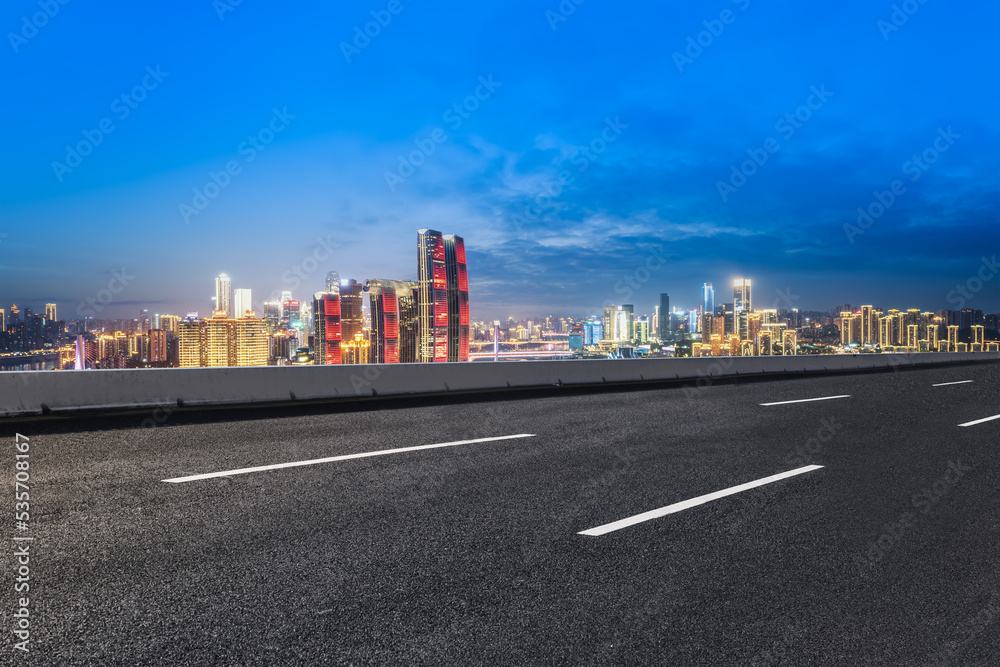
<point>825,515</point>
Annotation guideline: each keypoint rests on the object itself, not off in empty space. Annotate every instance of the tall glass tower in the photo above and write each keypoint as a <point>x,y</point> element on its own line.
<point>224,294</point>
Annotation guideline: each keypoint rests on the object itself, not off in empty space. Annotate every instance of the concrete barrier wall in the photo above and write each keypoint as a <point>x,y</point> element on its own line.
<point>38,392</point>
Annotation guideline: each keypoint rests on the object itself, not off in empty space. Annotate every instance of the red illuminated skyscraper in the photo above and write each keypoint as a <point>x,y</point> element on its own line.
<point>326,318</point>
<point>458,298</point>
<point>433,299</point>
<point>393,320</point>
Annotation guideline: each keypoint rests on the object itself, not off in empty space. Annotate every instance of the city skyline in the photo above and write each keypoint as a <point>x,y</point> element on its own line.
<point>799,162</point>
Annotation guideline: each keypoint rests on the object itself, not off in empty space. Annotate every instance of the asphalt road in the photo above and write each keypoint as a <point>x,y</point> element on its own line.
<point>472,554</point>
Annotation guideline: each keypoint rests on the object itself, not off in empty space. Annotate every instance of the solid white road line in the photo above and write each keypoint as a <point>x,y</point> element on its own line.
<point>345,457</point>
<point>945,384</point>
<point>700,500</point>
<point>980,421</point>
<point>806,400</point>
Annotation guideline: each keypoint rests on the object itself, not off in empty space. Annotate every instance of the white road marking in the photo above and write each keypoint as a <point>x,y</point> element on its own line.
<point>945,384</point>
<point>700,500</point>
<point>806,400</point>
<point>345,457</point>
<point>980,421</point>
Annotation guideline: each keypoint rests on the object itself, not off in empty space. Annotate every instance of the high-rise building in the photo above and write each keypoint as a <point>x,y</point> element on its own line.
<point>3,321</point>
<point>457,276</point>
<point>170,323</point>
<point>328,334</point>
<point>627,332</point>
<point>50,312</point>
<point>15,315</point>
<point>742,305</point>
<point>251,345</point>
<point>393,321</point>
<point>869,325</point>
<point>190,351</point>
<point>218,340</point>
<point>356,351</point>
<point>433,284</point>
<point>952,338</point>
<point>242,302</point>
<point>352,319</point>
<point>708,299</point>
<point>332,281</point>
<point>223,294</point>
<point>663,326</point>
<point>158,346</point>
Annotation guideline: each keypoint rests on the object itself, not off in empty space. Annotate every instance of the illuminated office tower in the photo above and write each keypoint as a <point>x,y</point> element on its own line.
<point>715,340</point>
<point>224,294</point>
<point>707,309</point>
<point>272,315</point>
<point>642,330</point>
<point>251,346</point>
<point>458,298</point>
<point>50,312</point>
<point>409,324</point>
<point>328,333</point>
<point>242,302</point>
<point>627,331</point>
<point>351,316</point>
<point>189,347</point>
<point>885,331</point>
<point>332,281</point>
<point>218,340</point>
<point>912,335</point>
<point>3,321</point>
<point>291,313</point>
<point>952,338</point>
<point>393,321</point>
<point>753,325</point>
<point>15,315</point>
<point>170,323</point>
<point>848,323</point>
<point>610,321</point>
<point>932,332</point>
<point>789,342</point>
<point>158,346</point>
<point>663,328</point>
<point>433,285</point>
<point>654,323</point>
<point>356,351</point>
<point>869,326</point>
<point>742,305</point>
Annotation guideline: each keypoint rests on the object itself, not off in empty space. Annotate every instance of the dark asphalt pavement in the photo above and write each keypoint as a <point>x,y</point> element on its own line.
<point>889,554</point>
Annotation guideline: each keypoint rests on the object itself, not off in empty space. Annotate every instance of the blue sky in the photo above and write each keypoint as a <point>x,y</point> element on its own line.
<point>593,137</point>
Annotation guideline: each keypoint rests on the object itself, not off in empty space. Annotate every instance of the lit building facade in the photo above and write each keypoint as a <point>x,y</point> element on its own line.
<point>328,334</point>
<point>223,294</point>
<point>456,272</point>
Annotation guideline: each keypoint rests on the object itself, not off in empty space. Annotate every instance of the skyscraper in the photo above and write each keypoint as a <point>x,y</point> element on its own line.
<point>242,302</point>
<point>707,299</point>
<point>328,334</point>
<point>664,323</point>
<point>50,312</point>
<point>332,281</point>
<point>351,316</point>
<point>223,294</point>
<point>393,318</point>
<point>3,321</point>
<point>742,305</point>
<point>251,344</point>
<point>458,298</point>
<point>433,304</point>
